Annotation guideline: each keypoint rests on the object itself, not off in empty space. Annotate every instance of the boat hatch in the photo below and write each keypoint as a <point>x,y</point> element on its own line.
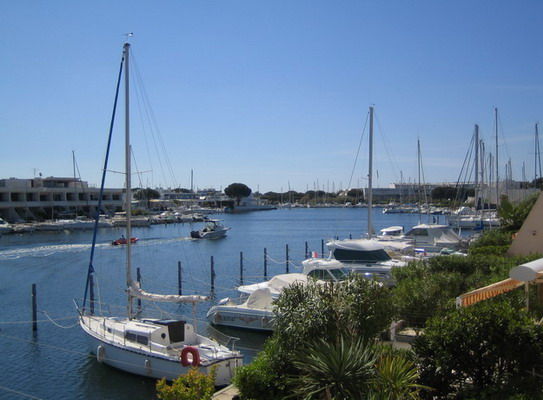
<point>176,329</point>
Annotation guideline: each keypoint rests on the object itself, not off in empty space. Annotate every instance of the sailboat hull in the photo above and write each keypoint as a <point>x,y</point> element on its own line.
<point>149,363</point>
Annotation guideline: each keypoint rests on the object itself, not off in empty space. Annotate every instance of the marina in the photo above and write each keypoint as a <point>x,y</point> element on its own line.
<point>55,362</point>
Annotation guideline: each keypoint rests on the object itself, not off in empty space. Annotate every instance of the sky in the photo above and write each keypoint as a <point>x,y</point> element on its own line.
<point>273,94</point>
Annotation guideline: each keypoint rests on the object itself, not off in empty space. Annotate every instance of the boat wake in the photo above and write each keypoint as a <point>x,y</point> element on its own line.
<point>48,250</point>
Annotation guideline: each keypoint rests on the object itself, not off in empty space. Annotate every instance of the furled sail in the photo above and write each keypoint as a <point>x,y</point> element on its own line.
<point>137,292</point>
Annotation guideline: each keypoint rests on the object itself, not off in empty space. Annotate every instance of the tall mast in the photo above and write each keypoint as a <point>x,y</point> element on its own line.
<point>497,161</point>
<point>128,207</point>
<point>418,165</point>
<point>476,166</point>
<point>537,159</point>
<point>370,174</point>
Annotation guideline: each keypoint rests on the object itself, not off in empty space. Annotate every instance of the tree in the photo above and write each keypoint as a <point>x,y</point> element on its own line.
<point>444,193</point>
<point>488,349</point>
<point>237,191</point>
<point>512,217</point>
<point>146,194</point>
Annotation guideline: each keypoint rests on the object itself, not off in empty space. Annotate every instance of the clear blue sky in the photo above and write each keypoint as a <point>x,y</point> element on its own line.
<point>270,92</point>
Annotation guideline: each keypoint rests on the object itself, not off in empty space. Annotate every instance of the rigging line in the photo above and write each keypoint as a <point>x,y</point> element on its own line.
<point>20,393</point>
<point>57,324</point>
<point>143,124</point>
<point>500,129</point>
<point>465,167</point>
<point>358,149</point>
<point>90,270</point>
<point>155,125</point>
<point>395,167</point>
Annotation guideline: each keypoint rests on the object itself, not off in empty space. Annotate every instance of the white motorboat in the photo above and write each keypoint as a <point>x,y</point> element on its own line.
<point>155,348</point>
<point>315,268</point>
<point>5,227</point>
<point>255,312</point>
<point>212,230</point>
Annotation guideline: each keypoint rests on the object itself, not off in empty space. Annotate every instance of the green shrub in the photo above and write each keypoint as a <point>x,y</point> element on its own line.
<point>489,349</point>
<point>194,385</point>
<point>259,380</point>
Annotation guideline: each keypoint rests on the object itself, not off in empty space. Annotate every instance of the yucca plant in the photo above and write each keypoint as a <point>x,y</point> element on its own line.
<point>395,378</point>
<point>338,370</point>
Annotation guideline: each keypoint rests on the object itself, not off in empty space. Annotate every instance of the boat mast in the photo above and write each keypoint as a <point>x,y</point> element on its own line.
<point>476,166</point>
<point>497,161</point>
<point>370,175</point>
<point>418,165</point>
<point>128,206</point>
<point>537,159</point>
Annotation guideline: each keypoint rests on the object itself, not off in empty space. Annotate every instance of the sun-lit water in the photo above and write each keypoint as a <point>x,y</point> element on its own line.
<point>54,364</point>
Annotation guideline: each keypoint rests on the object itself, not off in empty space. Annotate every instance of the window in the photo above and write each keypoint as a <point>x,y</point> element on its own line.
<point>134,337</point>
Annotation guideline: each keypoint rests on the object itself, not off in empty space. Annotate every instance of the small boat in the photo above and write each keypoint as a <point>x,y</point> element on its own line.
<point>255,313</point>
<point>213,230</point>
<point>123,240</point>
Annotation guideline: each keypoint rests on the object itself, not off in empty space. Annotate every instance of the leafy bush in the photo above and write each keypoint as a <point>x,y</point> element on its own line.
<point>512,216</point>
<point>194,385</point>
<point>489,349</point>
<point>259,380</point>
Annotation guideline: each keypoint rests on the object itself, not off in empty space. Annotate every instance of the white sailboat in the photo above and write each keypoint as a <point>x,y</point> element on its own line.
<point>155,348</point>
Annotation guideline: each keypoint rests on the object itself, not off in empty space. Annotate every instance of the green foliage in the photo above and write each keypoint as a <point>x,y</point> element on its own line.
<point>237,191</point>
<point>146,194</point>
<point>357,306</point>
<point>512,216</point>
<point>194,385</point>
<point>421,293</point>
<point>333,370</point>
<point>259,380</point>
<point>396,377</point>
<point>489,349</point>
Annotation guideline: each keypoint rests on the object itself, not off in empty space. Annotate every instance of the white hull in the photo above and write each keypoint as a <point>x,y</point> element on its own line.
<point>144,361</point>
<point>235,317</point>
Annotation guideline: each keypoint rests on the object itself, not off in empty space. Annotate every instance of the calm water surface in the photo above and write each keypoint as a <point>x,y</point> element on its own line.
<point>55,363</point>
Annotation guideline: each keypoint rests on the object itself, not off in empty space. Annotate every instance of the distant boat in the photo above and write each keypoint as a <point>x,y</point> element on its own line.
<point>149,347</point>
<point>123,240</point>
<point>212,230</point>
<point>249,204</point>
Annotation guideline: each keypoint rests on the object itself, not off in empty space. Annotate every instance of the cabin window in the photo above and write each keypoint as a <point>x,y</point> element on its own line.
<point>317,274</point>
<point>133,337</point>
<point>418,232</point>
<point>338,273</point>
<point>356,256</point>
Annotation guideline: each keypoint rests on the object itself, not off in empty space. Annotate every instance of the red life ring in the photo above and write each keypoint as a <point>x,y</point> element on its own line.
<point>195,356</point>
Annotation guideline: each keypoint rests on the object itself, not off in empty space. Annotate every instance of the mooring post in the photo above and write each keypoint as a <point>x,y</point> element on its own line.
<point>350,236</point>
<point>265,263</point>
<point>179,278</point>
<point>212,275</point>
<point>241,267</point>
<point>286,258</point>
<point>322,247</point>
<point>34,310</point>
<point>138,278</point>
<point>306,250</point>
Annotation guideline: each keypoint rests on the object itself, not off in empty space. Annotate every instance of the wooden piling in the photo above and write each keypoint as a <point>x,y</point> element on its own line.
<point>34,309</point>
<point>286,258</point>
<point>138,278</point>
<point>212,274</point>
<point>306,250</point>
<point>265,263</point>
<point>241,267</point>
<point>179,278</point>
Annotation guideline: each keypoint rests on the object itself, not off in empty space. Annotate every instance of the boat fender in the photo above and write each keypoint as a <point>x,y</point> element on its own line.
<point>195,356</point>
<point>100,353</point>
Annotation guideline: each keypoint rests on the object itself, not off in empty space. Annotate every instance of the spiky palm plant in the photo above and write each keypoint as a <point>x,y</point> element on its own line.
<point>333,370</point>
<point>395,378</point>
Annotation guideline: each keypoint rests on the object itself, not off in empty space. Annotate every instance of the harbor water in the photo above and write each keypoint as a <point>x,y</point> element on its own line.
<point>54,362</point>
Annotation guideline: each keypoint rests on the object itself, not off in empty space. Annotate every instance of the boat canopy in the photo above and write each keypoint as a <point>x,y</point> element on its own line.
<point>358,251</point>
<point>260,298</point>
<point>137,292</point>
